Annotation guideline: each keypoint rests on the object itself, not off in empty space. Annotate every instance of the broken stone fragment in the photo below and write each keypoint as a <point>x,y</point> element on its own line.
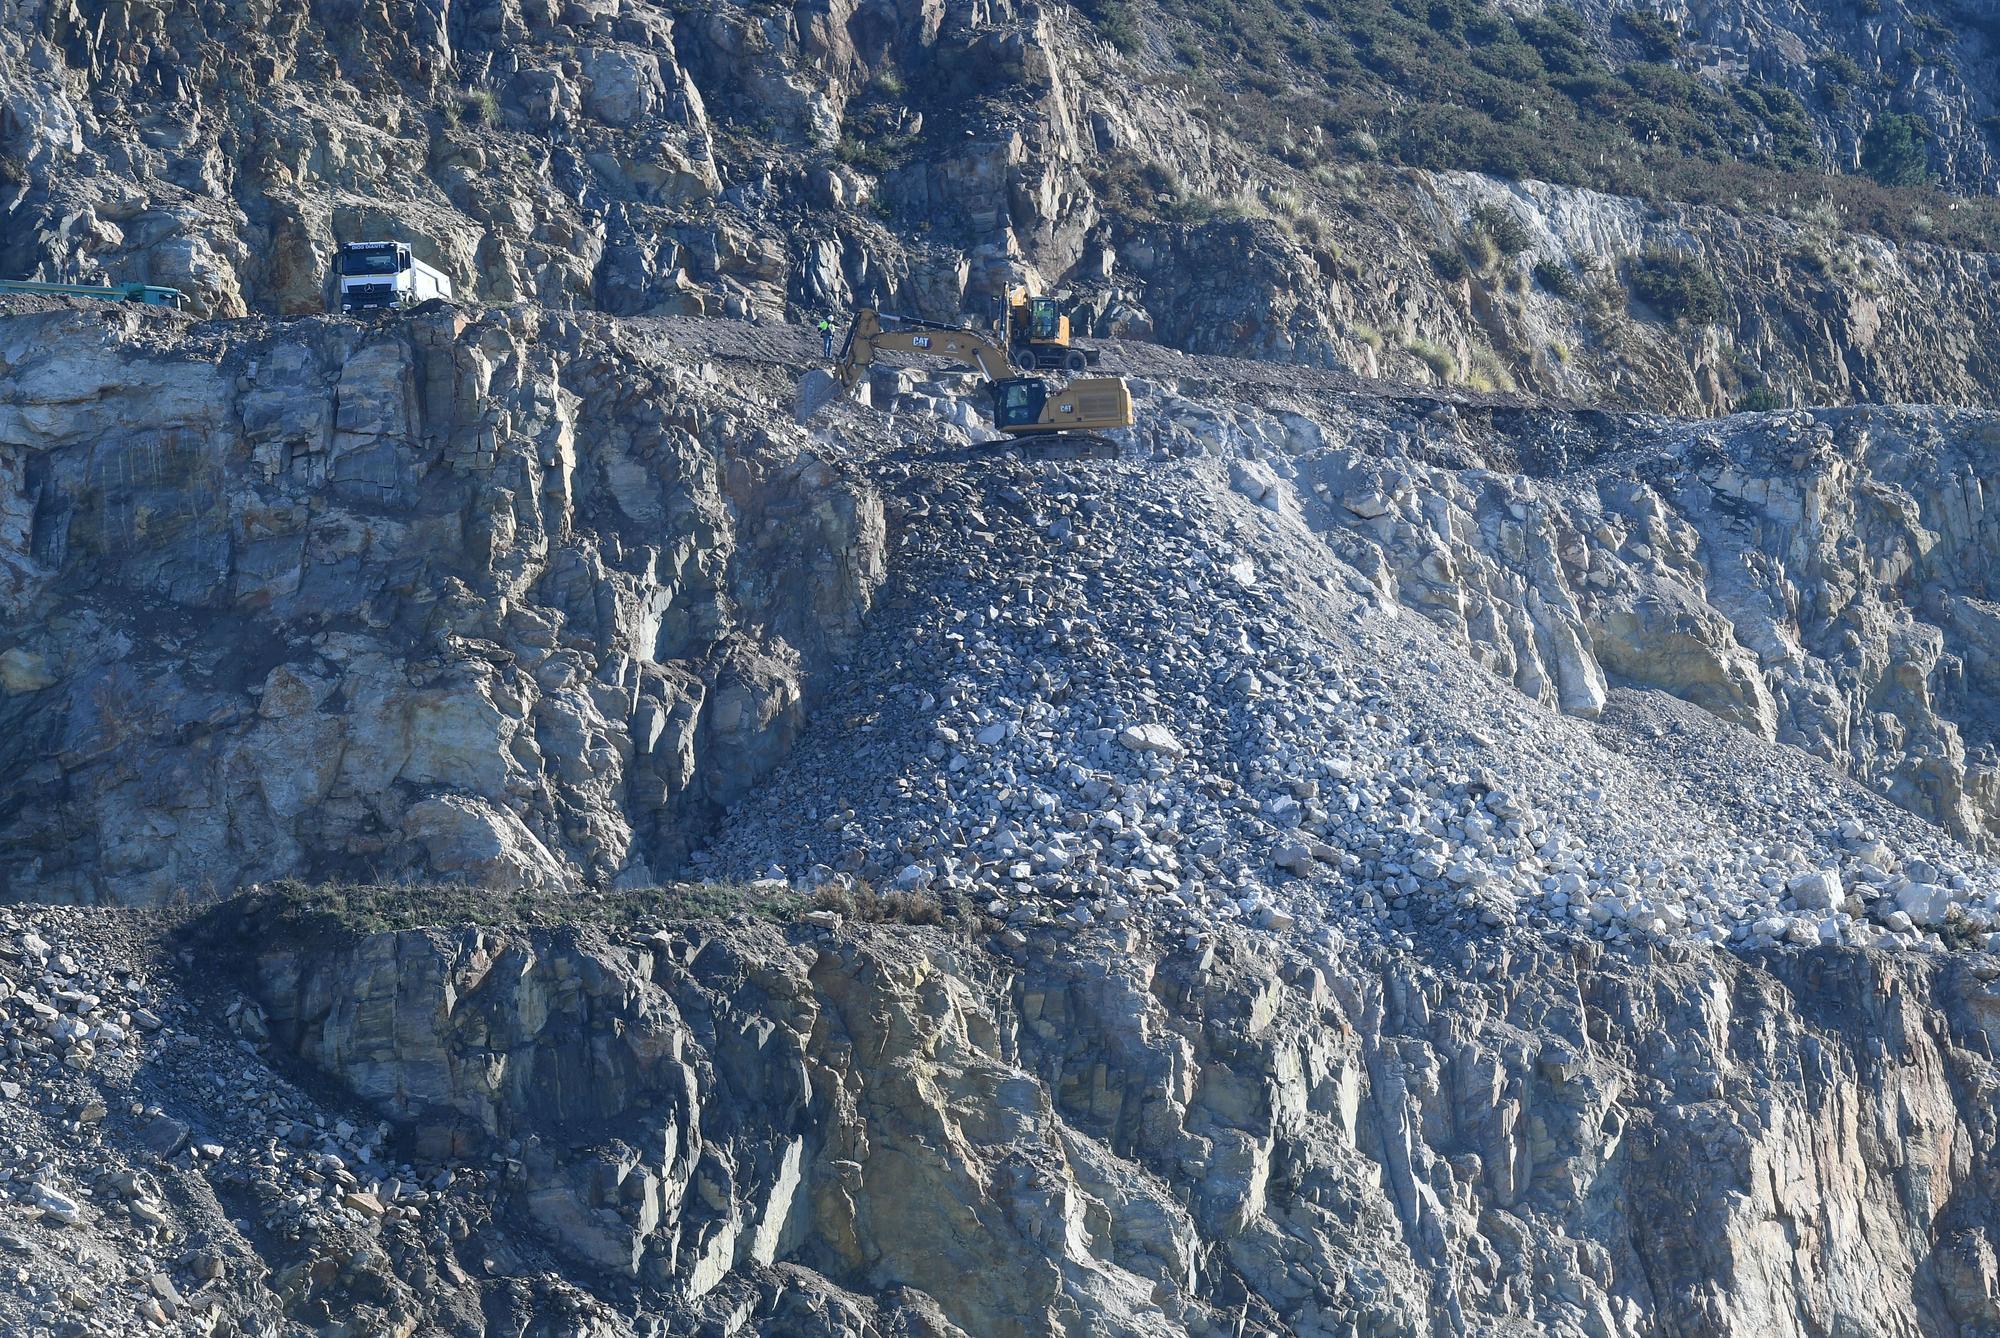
<point>56,1206</point>
<point>1818,890</point>
<point>1294,857</point>
<point>1151,738</point>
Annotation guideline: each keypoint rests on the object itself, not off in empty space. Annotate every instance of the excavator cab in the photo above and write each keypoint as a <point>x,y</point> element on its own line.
<point>1018,401</point>
<point>1027,406</point>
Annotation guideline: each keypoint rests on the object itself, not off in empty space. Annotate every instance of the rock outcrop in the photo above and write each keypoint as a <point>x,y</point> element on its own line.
<point>733,160</point>
<point>1376,849</point>
<point>505,600</point>
<point>1089,1135</point>
<point>1821,579</point>
<point>532,600</point>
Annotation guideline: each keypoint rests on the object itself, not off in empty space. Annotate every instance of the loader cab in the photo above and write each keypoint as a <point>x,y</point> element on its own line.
<point>1044,320</point>
<point>1018,402</point>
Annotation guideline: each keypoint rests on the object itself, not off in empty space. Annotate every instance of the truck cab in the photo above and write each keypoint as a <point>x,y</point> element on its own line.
<point>379,275</point>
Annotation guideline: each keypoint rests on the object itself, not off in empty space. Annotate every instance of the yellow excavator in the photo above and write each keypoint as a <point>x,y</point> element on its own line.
<point>1023,406</point>
<point>1037,335</point>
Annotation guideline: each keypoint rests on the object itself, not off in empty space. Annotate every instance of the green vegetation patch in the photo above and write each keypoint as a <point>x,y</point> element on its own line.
<point>1560,280</point>
<point>1659,38</point>
<point>879,155</point>
<point>1458,84</point>
<point>1116,20</point>
<point>1895,151</point>
<point>1678,286</point>
<point>480,106</point>
<point>1434,356</point>
<point>1464,85</point>
<point>872,134</point>
<point>1503,228</point>
<point>1449,264</point>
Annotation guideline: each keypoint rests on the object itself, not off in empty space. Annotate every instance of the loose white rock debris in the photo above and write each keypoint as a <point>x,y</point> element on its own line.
<point>1106,691</point>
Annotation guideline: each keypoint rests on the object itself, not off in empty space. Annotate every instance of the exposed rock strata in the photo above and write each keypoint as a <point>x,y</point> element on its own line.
<point>1084,1136</point>
<point>506,601</point>
<point>1822,579</point>
<point>620,609</point>
<point>726,160</point>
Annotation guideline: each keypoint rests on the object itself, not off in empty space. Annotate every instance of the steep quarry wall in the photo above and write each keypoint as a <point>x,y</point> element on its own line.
<point>728,160</point>
<point>532,599</point>
<point>1410,858</point>
<point>1306,969</point>
<point>1085,1134</point>
<point>1809,314</point>
<point>501,600</point>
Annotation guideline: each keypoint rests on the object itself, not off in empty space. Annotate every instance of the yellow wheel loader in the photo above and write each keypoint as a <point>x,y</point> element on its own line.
<point>1023,406</point>
<point>1037,335</point>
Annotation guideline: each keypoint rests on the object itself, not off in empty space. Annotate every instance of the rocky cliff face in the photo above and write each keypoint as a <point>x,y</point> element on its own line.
<point>1852,62</point>
<point>1312,968</point>
<point>505,600</point>
<point>532,600</point>
<point>888,1131</point>
<point>1796,575</point>
<point>1405,1035</point>
<point>1355,856</point>
<point>731,160</point>
<point>901,1132</point>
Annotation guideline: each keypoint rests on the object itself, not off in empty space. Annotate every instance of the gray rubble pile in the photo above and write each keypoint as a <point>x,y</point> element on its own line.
<point>1302,658</point>
<point>1101,692</point>
<point>154,1154</point>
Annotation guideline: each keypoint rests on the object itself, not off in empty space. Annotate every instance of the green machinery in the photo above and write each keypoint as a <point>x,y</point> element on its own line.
<point>145,293</point>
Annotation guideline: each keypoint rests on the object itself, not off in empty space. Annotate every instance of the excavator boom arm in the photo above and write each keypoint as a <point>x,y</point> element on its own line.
<point>867,337</point>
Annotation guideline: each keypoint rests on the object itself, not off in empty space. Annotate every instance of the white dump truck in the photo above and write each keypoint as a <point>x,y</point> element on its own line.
<point>372,275</point>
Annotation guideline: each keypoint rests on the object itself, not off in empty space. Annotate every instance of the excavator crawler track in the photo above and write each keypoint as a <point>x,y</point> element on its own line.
<point>1067,446</point>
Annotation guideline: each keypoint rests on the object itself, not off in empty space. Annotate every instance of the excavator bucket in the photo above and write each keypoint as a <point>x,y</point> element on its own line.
<point>817,389</point>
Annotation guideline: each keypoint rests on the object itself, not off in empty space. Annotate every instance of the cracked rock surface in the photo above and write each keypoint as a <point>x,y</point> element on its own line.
<point>501,600</point>
<point>1412,865</point>
<point>733,159</point>
<point>700,1128</point>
